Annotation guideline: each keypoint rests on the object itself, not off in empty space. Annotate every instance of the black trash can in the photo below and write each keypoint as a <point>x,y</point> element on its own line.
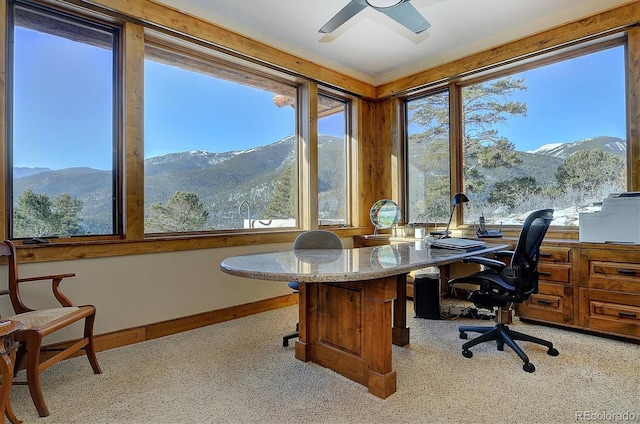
<point>426,296</point>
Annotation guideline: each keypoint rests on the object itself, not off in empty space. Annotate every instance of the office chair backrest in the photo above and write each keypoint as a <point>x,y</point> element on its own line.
<point>317,239</point>
<point>524,262</point>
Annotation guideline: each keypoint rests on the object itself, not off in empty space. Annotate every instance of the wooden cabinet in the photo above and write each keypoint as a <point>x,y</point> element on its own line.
<point>586,286</point>
<point>609,290</point>
<point>554,302</point>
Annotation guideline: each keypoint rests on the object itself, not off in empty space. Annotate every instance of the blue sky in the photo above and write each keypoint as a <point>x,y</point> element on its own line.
<point>62,111</point>
<point>205,113</point>
<point>49,129</point>
<point>574,113</point>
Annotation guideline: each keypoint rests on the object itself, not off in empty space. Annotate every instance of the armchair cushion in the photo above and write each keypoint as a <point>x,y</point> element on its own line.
<point>39,318</point>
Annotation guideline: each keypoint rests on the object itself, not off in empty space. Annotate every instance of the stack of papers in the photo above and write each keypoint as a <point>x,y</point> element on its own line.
<point>458,244</point>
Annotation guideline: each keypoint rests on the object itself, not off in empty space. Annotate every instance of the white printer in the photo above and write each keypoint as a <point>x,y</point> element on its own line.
<point>618,221</point>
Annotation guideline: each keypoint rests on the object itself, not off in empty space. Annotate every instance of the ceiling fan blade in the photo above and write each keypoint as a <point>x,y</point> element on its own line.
<point>406,15</point>
<point>347,12</point>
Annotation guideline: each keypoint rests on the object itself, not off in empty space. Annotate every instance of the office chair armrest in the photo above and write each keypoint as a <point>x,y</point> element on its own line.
<point>491,263</point>
<point>501,253</point>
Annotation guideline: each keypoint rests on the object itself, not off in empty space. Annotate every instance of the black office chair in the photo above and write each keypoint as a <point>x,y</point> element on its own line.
<point>500,284</point>
<point>312,239</point>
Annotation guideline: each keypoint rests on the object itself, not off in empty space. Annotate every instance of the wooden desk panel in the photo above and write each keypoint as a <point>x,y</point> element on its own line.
<point>350,331</point>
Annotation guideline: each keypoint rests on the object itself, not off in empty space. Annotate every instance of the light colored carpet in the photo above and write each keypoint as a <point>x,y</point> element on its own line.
<point>238,372</point>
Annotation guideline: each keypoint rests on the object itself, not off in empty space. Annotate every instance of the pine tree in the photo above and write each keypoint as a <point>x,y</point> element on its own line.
<point>282,202</point>
<point>510,193</point>
<point>485,105</point>
<point>588,170</point>
<point>183,212</point>
<point>35,215</point>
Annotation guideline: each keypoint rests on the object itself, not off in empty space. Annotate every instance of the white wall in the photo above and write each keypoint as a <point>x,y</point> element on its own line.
<point>130,291</point>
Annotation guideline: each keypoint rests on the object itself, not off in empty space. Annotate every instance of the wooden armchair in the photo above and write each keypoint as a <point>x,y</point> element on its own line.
<point>41,323</point>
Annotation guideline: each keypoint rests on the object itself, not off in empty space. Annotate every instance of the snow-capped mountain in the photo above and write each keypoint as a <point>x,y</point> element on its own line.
<point>612,145</point>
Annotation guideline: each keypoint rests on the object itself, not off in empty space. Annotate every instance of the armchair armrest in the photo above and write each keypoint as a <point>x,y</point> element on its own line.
<point>55,287</point>
<point>491,263</point>
<point>46,277</point>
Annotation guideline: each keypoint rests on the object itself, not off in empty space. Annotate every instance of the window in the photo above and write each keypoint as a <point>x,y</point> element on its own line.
<point>220,145</point>
<point>546,135</point>
<point>333,143</point>
<point>62,139</point>
<point>428,193</point>
<point>552,136</point>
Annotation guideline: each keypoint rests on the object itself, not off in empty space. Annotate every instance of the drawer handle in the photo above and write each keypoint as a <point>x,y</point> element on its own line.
<point>544,255</point>
<point>627,315</point>
<point>627,272</point>
<point>545,302</point>
<point>546,274</point>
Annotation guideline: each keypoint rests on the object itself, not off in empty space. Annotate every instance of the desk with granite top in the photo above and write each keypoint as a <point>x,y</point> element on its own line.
<point>346,302</point>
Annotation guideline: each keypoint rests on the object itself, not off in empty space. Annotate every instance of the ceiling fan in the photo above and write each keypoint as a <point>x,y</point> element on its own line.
<point>400,11</point>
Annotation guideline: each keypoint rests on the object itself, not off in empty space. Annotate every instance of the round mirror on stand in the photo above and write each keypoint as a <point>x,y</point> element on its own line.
<point>384,214</point>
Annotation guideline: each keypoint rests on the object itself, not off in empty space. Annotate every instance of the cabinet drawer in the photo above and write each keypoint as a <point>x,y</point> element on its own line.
<point>555,254</point>
<point>554,272</point>
<point>614,276</point>
<point>613,312</point>
<point>546,301</point>
<point>552,303</point>
<point>608,269</point>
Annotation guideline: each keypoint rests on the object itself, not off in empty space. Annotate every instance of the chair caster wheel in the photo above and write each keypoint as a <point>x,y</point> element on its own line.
<point>467,353</point>
<point>553,352</point>
<point>529,367</point>
<point>463,335</point>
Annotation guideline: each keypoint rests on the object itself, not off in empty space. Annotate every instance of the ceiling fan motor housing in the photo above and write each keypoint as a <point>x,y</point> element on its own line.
<point>382,4</point>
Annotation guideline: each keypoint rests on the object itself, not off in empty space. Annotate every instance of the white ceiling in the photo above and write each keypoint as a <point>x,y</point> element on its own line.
<point>374,48</point>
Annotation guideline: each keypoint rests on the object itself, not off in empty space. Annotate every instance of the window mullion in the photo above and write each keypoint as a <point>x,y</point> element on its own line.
<point>133,132</point>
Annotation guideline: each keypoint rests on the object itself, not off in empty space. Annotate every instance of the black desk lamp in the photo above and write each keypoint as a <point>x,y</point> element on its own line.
<point>455,201</point>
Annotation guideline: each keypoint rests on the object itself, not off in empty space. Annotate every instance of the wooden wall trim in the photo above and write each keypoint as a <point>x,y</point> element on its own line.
<point>308,156</point>
<point>622,16</point>
<point>133,189</point>
<point>633,109</point>
<point>396,126</point>
<point>370,165</point>
<point>111,248</point>
<point>4,227</point>
<point>157,15</point>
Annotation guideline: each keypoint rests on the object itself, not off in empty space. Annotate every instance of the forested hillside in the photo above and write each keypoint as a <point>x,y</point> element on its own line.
<point>223,181</point>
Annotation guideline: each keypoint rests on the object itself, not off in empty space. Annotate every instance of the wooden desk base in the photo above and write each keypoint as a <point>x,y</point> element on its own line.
<point>400,331</point>
<point>347,327</point>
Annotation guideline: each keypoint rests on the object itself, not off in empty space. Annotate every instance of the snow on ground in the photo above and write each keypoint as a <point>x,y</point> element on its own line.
<point>561,217</point>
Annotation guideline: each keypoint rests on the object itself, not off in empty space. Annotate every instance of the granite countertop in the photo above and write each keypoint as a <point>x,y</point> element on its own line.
<point>330,265</point>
